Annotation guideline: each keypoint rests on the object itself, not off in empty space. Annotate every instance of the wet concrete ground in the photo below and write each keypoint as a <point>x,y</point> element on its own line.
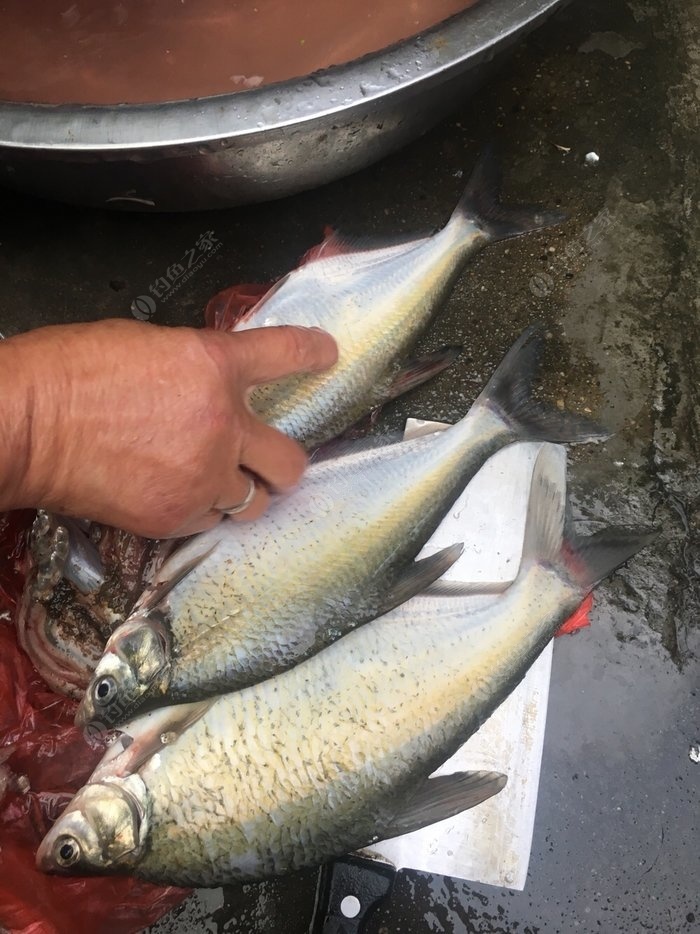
<point>617,836</point>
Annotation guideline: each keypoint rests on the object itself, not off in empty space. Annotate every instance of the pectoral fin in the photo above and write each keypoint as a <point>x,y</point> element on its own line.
<point>232,306</point>
<point>419,575</point>
<point>145,736</point>
<point>442,797</point>
<point>170,575</point>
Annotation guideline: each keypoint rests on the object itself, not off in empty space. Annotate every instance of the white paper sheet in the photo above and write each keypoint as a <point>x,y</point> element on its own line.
<point>492,842</point>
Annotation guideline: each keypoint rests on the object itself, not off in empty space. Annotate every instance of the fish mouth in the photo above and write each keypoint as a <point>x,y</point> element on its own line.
<point>95,723</point>
<point>135,665</point>
<point>86,720</point>
<point>86,717</point>
<point>65,829</point>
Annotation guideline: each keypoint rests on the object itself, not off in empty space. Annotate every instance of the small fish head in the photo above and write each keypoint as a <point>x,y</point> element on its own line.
<point>135,665</point>
<point>102,830</point>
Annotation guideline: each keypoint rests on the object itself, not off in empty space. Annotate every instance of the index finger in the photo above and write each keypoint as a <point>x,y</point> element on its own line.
<point>267,354</point>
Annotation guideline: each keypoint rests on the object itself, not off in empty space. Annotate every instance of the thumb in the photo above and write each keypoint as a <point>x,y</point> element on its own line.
<point>267,354</point>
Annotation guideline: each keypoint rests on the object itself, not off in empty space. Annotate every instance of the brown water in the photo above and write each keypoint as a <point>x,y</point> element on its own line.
<point>133,51</point>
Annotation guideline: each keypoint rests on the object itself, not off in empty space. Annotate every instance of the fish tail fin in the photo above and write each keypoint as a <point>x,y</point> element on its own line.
<point>509,394</point>
<point>589,560</point>
<point>550,540</point>
<point>481,205</point>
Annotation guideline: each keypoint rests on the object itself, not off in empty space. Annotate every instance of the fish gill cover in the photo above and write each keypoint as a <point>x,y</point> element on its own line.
<point>44,759</point>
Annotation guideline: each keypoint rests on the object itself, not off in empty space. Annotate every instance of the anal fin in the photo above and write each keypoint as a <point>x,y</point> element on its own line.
<point>413,373</point>
<point>579,619</point>
<point>442,797</point>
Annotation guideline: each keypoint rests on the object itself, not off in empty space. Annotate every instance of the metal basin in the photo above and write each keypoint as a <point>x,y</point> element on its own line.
<point>261,144</point>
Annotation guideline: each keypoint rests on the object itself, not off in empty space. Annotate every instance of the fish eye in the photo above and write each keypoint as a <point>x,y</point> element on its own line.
<point>105,691</point>
<point>67,851</point>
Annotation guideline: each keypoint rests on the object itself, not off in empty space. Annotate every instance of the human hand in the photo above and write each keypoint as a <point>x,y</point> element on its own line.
<point>147,428</point>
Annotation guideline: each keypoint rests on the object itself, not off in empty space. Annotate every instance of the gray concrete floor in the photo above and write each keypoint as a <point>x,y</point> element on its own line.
<point>617,837</point>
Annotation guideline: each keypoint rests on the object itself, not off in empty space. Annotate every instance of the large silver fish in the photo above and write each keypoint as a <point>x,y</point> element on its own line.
<point>337,752</point>
<point>336,553</point>
<point>376,303</point>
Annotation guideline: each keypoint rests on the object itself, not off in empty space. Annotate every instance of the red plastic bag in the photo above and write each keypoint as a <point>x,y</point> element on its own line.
<point>44,759</point>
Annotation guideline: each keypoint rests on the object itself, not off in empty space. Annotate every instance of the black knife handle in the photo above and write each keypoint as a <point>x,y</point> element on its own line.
<point>349,890</point>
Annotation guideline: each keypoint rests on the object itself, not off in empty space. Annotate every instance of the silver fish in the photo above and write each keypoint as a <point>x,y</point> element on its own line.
<point>376,303</point>
<point>336,753</point>
<point>335,554</point>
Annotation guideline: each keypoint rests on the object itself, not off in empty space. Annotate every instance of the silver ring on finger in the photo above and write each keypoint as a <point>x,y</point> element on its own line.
<point>245,502</point>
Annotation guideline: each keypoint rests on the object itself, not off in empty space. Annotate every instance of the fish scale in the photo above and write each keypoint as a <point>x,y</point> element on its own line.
<point>337,752</point>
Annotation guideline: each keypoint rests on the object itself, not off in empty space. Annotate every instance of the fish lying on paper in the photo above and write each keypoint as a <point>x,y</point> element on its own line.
<point>337,752</point>
<point>251,600</point>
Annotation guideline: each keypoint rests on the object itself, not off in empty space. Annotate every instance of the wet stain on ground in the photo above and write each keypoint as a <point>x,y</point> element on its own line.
<point>617,836</point>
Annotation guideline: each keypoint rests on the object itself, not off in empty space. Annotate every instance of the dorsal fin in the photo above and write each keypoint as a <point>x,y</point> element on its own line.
<point>336,244</point>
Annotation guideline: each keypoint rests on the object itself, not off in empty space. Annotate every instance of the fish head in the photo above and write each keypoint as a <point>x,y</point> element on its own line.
<point>135,666</point>
<point>103,830</point>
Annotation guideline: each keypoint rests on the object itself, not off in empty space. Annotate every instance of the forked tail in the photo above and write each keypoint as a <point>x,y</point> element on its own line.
<point>509,394</point>
<point>480,205</point>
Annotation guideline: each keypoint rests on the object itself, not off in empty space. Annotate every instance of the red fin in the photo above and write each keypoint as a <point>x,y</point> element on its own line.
<point>579,619</point>
<point>231,306</point>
